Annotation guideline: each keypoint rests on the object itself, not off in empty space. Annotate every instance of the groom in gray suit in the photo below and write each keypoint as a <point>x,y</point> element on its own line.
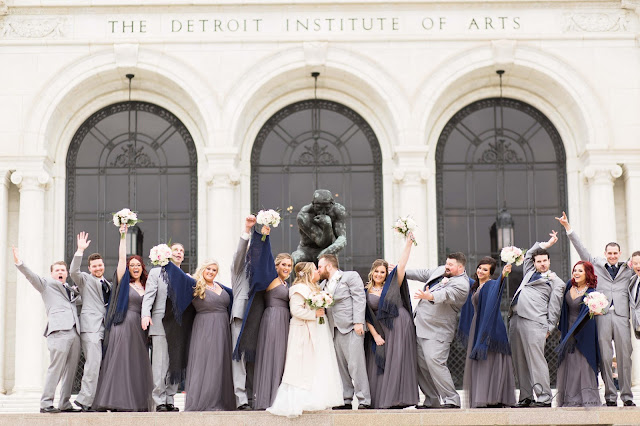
<point>613,282</point>
<point>346,321</point>
<point>62,332</point>
<point>154,303</point>
<point>94,289</point>
<point>439,302</point>
<point>533,315</point>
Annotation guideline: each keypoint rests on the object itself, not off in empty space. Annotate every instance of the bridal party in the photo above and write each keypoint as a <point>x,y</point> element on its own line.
<point>289,334</point>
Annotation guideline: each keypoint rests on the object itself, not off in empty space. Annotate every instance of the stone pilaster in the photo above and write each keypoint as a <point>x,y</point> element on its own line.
<point>602,226</point>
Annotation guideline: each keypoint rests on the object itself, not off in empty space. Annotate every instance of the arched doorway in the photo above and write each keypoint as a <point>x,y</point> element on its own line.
<point>319,144</point>
<point>500,155</point>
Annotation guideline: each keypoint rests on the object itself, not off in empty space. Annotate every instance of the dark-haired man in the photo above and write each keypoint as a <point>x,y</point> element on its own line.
<point>439,302</point>
<point>62,332</point>
<point>613,282</point>
<point>95,290</point>
<point>533,315</point>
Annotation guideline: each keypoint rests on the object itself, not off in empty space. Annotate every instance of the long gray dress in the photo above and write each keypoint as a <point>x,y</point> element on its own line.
<point>487,382</point>
<point>126,381</point>
<point>576,382</point>
<point>397,385</point>
<point>209,383</point>
<point>272,347</point>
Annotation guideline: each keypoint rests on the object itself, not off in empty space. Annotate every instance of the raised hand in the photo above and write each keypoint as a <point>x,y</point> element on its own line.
<point>16,256</point>
<point>507,269</point>
<point>553,239</point>
<point>123,229</point>
<point>564,221</point>
<point>426,295</point>
<point>249,223</point>
<point>266,230</point>
<point>83,241</point>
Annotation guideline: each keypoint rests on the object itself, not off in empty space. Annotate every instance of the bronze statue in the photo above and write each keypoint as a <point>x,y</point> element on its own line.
<point>322,226</point>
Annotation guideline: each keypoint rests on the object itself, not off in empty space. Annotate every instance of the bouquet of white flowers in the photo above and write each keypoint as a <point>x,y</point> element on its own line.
<point>125,217</point>
<point>512,254</point>
<point>268,217</point>
<point>320,300</point>
<point>404,226</point>
<point>596,302</point>
<point>160,255</point>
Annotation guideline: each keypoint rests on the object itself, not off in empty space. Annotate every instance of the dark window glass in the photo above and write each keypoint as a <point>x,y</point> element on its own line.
<point>319,144</point>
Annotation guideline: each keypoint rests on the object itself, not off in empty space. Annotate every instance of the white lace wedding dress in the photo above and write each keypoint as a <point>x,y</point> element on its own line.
<point>311,380</point>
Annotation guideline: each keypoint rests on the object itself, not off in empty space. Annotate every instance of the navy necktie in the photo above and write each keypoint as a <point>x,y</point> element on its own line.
<point>536,276</point>
<point>433,283</point>
<point>613,270</point>
<point>105,291</point>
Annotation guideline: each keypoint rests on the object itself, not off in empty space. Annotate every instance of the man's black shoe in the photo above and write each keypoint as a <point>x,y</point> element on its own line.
<point>84,408</point>
<point>449,406</point>
<point>71,410</point>
<point>343,407</point>
<point>541,404</point>
<point>629,404</point>
<point>161,408</point>
<point>50,410</point>
<point>171,407</point>
<point>244,407</point>
<point>364,407</point>
<point>423,407</point>
<point>611,404</point>
<point>524,403</point>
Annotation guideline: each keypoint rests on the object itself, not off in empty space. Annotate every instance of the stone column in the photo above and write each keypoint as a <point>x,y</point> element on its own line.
<point>632,185</point>
<point>30,314</point>
<point>602,227</point>
<point>4,206</point>
<point>223,225</point>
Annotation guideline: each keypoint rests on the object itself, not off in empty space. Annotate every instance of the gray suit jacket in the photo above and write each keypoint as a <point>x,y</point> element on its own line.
<point>62,313</point>
<point>635,305</point>
<point>155,301</point>
<point>239,280</point>
<point>437,319</point>
<point>350,302</point>
<point>93,303</point>
<point>616,290</point>
<point>539,300</point>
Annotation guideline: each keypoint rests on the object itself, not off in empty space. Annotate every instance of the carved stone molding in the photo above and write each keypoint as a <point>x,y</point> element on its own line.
<point>602,174</point>
<point>631,5</point>
<point>597,22</point>
<point>222,179</point>
<point>4,9</point>
<point>406,176</point>
<point>32,27</point>
<point>315,52</point>
<point>32,181</point>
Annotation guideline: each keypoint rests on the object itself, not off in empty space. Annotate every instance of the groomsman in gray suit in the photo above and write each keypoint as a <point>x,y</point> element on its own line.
<point>634,294</point>
<point>240,288</point>
<point>439,302</point>
<point>153,308</point>
<point>533,315</point>
<point>613,282</point>
<point>346,321</point>
<point>62,332</point>
<point>94,289</point>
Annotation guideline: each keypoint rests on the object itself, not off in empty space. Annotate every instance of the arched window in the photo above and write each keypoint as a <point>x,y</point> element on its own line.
<point>494,155</point>
<point>319,144</point>
<point>136,155</point>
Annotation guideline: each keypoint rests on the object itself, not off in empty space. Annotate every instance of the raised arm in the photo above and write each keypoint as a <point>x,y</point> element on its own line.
<point>575,240</point>
<point>122,253</point>
<point>239,257</point>
<point>529,264</point>
<point>404,258</point>
<point>74,268</point>
<point>421,275</point>
<point>36,281</point>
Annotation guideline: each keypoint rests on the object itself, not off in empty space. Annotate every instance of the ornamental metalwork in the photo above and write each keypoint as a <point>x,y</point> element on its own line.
<point>320,144</point>
<point>132,158</point>
<point>494,154</point>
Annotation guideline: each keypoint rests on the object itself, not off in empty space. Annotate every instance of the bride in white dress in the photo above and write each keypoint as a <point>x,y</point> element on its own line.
<point>311,379</point>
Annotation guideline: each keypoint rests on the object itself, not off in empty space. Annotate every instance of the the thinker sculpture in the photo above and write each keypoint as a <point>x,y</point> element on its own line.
<point>322,226</point>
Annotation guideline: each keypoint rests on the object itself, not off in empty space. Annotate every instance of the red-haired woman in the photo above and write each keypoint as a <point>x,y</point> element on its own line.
<point>578,352</point>
<point>125,381</point>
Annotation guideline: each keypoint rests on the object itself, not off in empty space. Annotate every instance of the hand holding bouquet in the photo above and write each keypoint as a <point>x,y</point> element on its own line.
<point>511,255</point>
<point>596,302</point>
<point>405,226</point>
<point>160,255</point>
<point>320,300</point>
<point>268,218</point>
<point>125,217</point>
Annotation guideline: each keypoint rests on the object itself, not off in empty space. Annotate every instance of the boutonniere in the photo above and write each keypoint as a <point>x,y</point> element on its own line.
<point>548,275</point>
<point>338,276</point>
<point>444,281</point>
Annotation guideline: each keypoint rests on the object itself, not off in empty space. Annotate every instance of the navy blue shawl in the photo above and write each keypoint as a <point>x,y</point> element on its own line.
<point>490,333</point>
<point>179,289</point>
<point>261,271</point>
<point>584,330</point>
<point>117,313</point>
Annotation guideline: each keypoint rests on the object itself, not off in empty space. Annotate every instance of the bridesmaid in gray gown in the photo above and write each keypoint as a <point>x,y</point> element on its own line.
<point>209,384</point>
<point>395,383</point>
<point>272,338</point>
<point>125,380</point>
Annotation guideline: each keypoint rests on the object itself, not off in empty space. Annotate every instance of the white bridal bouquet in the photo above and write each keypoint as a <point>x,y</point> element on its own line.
<point>125,217</point>
<point>320,300</point>
<point>160,255</point>
<point>596,302</point>
<point>270,218</point>
<point>511,255</point>
<point>404,225</point>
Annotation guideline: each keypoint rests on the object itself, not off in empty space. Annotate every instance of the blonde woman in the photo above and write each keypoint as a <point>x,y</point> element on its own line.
<point>209,383</point>
<point>311,379</point>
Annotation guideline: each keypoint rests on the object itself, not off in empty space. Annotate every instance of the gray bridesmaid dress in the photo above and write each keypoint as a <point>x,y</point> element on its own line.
<point>576,382</point>
<point>126,381</point>
<point>397,386</point>
<point>488,382</point>
<point>209,384</point>
<point>272,347</point>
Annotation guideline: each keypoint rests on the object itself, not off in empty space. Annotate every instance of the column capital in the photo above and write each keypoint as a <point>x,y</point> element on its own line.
<point>631,170</point>
<point>602,173</point>
<point>410,176</point>
<point>30,180</point>
<point>222,178</point>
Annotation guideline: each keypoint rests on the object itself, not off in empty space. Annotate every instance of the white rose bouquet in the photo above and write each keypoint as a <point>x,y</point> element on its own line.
<point>511,255</point>
<point>125,217</point>
<point>404,226</point>
<point>160,255</point>
<point>596,302</point>
<point>270,218</point>
<point>320,300</point>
